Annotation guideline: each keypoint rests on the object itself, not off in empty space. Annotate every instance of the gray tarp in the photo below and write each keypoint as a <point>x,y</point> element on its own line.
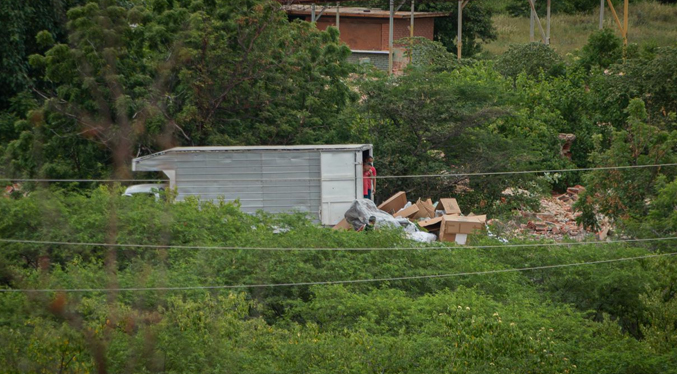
<point>359,213</point>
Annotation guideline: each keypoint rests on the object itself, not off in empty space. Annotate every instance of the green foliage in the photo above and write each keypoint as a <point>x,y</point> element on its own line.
<point>132,77</point>
<point>533,59</point>
<point>603,49</point>
<point>623,193</point>
<point>523,8</point>
<point>647,76</point>
<point>432,122</point>
<point>28,28</point>
<point>148,77</point>
<point>477,27</point>
<point>427,54</point>
<point>538,321</point>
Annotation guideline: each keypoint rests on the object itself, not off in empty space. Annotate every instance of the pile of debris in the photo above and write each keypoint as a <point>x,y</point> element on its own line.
<point>442,220</point>
<point>13,189</point>
<point>556,220</point>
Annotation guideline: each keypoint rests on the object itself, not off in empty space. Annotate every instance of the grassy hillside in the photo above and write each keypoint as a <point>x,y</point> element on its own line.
<point>650,23</point>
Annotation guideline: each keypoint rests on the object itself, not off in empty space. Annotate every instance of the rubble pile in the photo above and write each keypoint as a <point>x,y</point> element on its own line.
<point>13,189</point>
<point>556,219</point>
<point>443,220</point>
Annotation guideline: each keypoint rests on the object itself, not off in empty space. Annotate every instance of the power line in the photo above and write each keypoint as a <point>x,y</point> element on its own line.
<point>195,247</point>
<point>353,281</point>
<point>528,171</point>
<point>445,175</point>
<point>79,180</point>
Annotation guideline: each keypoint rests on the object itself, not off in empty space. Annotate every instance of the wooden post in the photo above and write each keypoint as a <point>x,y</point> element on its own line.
<point>390,37</point>
<point>459,32</point>
<point>532,3</point>
<point>531,25</point>
<point>337,16</point>
<point>623,28</point>
<point>547,30</point>
<point>625,23</point>
<point>411,21</point>
<point>601,14</point>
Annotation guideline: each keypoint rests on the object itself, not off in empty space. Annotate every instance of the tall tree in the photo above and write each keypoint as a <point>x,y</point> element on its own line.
<point>135,79</point>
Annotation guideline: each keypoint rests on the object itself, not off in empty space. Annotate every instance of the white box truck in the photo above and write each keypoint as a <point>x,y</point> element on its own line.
<point>321,180</point>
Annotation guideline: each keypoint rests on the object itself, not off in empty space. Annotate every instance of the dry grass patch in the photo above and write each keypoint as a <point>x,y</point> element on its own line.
<point>650,23</point>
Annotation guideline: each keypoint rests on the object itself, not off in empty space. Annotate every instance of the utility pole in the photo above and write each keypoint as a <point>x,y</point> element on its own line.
<point>390,37</point>
<point>459,32</point>
<point>625,23</point>
<point>411,21</point>
<point>531,24</point>
<point>601,14</point>
<point>337,16</point>
<point>547,30</point>
<point>544,38</point>
<point>624,27</point>
<point>312,12</point>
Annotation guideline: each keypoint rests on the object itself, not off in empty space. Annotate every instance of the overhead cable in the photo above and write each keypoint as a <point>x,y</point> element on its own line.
<point>79,180</point>
<point>351,281</point>
<point>442,175</point>
<point>197,247</point>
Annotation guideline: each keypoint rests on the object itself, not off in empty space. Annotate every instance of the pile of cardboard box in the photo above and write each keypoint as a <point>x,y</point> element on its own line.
<point>444,219</point>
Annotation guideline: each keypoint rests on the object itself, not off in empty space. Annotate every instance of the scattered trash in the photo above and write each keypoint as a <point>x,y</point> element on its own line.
<point>343,225</point>
<point>394,204</point>
<point>423,237</point>
<point>555,220</point>
<point>280,229</point>
<point>358,215</point>
<point>407,212</point>
<point>443,219</point>
<point>455,227</point>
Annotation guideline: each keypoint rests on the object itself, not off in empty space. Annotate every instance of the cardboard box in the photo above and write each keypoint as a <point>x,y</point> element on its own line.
<point>425,209</point>
<point>395,203</point>
<point>445,234</point>
<point>406,213</point>
<point>461,225</point>
<point>482,218</point>
<point>461,239</point>
<point>449,206</point>
<point>432,224</point>
<point>343,225</point>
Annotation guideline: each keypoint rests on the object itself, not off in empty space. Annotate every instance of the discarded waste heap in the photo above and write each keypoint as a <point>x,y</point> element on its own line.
<point>443,220</point>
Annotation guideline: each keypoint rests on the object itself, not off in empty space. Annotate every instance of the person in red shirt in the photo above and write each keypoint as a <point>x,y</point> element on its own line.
<point>366,180</point>
<point>370,161</point>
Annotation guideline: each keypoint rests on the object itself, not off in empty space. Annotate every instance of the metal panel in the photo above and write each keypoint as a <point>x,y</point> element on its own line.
<point>271,178</point>
<point>300,188</point>
<point>339,189</point>
<point>253,178</point>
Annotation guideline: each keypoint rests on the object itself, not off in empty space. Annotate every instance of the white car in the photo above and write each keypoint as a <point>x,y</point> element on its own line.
<point>145,189</point>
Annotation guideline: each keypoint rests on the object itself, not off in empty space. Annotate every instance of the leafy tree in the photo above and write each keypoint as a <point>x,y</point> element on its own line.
<point>603,49</point>
<point>647,76</point>
<point>22,20</point>
<point>430,122</point>
<point>623,194</point>
<point>477,27</point>
<point>147,78</point>
<point>533,59</point>
<point>426,54</point>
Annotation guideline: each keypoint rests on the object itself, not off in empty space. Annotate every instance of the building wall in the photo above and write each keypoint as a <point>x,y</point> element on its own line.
<point>379,60</point>
<point>371,34</point>
<point>423,27</point>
